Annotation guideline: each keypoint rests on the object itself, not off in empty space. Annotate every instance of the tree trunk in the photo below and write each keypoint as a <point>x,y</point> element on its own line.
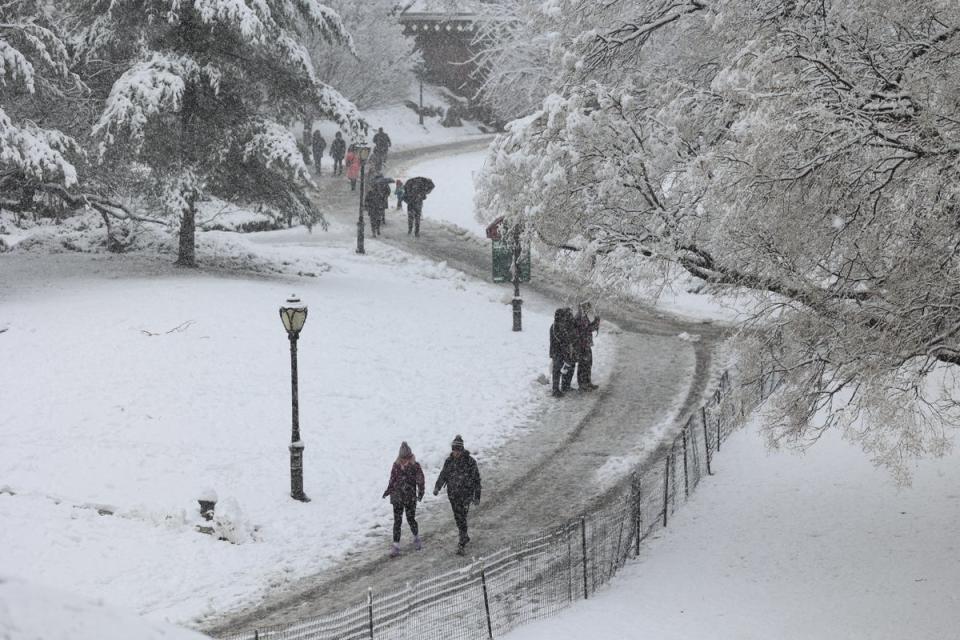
<point>187,256</point>
<point>307,139</point>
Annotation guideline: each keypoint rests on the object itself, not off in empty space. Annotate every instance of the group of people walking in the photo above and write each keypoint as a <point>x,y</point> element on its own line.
<point>376,200</point>
<point>460,476</point>
<point>571,348</point>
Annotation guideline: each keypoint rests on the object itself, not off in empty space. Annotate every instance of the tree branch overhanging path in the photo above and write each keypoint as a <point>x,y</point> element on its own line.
<point>805,151</point>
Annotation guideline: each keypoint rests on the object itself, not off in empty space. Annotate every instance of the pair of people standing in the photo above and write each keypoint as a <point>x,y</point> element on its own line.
<point>571,348</point>
<point>461,477</point>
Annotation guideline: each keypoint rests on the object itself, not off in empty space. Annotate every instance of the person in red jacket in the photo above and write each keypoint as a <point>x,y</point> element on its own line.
<point>405,489</point>
<point>353,167</point>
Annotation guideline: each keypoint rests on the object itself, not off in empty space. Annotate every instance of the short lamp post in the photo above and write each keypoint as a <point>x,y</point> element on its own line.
<point>294,314</point>
<point>517,301</point>
<point>363,152</point>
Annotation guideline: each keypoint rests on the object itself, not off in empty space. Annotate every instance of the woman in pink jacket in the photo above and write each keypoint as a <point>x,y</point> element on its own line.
<point>405,490</point>
<point>353,167</point>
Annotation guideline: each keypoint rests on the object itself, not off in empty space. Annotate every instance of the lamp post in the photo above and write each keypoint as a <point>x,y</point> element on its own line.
<point>363,152</point>
<point>517,301</point>
<point>293,314</point>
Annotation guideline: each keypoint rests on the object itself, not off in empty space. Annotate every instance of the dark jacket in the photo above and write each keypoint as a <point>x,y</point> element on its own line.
<point>563,336</point>
<point>338,148</point>
<point>585,329</point>
<point>406,483</point>
<point>462,478</point>
<point>319,144</point>
<point>381,141</point>
<point>377,198</point>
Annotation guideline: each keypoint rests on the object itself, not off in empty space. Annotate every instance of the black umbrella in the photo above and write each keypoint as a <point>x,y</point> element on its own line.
<point>418,187</point>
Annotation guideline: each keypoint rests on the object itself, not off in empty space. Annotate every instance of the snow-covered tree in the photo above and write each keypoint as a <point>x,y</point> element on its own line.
<point>205,92</point>
<point>380,68</point>
<point>34,70</point>
<point>804,150</point>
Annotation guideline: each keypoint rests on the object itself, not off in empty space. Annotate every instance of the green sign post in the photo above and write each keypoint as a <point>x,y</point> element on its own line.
<point>503,262</point>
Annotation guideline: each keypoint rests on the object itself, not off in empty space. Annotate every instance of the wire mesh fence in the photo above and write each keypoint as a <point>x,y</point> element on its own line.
<point>536,576</point>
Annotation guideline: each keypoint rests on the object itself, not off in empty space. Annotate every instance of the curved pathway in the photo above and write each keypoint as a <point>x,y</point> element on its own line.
<point>547,472</point>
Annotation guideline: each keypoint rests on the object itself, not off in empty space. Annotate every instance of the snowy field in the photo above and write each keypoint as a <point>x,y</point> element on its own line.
<point>140,386</point>
<point>779,545</point>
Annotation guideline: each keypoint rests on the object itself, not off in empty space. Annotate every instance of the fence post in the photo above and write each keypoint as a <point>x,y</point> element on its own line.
<point>718,419</point>
<point>569,563</point>
<point>638,508</point>
<point>686,479</point>
<point>486,600</point>
<point>666,488</point>
<point>583,540</point>
<point>706,438</point>
<point>370,609</point>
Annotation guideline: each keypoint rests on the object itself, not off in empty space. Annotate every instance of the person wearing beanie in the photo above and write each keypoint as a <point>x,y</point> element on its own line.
<point>406,488</point>
<point>461,477</point>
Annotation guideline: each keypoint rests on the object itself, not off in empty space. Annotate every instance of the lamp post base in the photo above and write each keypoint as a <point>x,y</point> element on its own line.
<point>517,315</point>
<point>296,472</point>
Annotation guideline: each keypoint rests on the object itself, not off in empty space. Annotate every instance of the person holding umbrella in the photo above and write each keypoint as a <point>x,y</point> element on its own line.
<point>415,191</point>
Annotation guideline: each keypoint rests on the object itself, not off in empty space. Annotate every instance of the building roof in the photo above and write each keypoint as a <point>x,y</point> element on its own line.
<point>439,10</point>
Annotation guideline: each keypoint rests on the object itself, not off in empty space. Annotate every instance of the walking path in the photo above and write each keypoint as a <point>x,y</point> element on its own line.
<point>547,473</point>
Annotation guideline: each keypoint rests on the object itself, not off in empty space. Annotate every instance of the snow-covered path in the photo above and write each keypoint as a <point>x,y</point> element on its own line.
<point>564,461</point>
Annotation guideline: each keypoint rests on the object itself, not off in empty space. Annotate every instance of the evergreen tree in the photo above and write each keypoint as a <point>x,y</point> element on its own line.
<point>206,91</point>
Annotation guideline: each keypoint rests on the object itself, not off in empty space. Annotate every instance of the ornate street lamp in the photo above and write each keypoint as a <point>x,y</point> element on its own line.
<point>363,152</point>
<point>294,314</point>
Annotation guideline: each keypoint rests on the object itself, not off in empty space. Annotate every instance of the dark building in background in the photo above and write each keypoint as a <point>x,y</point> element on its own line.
<point>444,31</point>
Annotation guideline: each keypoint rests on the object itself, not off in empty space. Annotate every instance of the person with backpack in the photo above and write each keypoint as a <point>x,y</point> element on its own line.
<point>381,143</point>
<point>562,350</point>
<point>318,144</point>
<point>398,191</point>
<point>461,477</point>
<point>337,150</point>
<point>405,489</point>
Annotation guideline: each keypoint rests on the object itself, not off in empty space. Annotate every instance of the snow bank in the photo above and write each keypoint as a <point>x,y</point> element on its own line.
<point>778,545</point>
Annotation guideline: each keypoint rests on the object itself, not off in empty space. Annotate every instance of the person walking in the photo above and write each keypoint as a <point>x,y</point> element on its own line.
<point>461,477</point>
<point>376,201</point>
<point>585,328</point>
<point>415,191</point>
<point>405,489</point>
<point>318,144</point>
<point>398,191</point>
<point>353,167</point>
<point>337,150</point>
<point>381,143</point>
<point>562,354</point>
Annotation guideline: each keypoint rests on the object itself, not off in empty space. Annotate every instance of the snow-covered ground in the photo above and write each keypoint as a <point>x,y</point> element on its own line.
<point>29,612</point>
<point>793,547</point>
<point>403,126</point>
<point>138,387</point>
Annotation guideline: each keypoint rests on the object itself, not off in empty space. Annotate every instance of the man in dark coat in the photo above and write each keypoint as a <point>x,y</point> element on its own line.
<point>562,354</point>
<point>381,143</point>
<point>415,191</point>
<point>376,201</point>
<point>338,149</point>
<point>462,479</point>
<point>318,144</point>
<point>585,327</point>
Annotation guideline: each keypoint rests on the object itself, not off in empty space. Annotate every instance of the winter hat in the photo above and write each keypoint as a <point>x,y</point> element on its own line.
<point>457,443</point>
<point>405,451</point>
